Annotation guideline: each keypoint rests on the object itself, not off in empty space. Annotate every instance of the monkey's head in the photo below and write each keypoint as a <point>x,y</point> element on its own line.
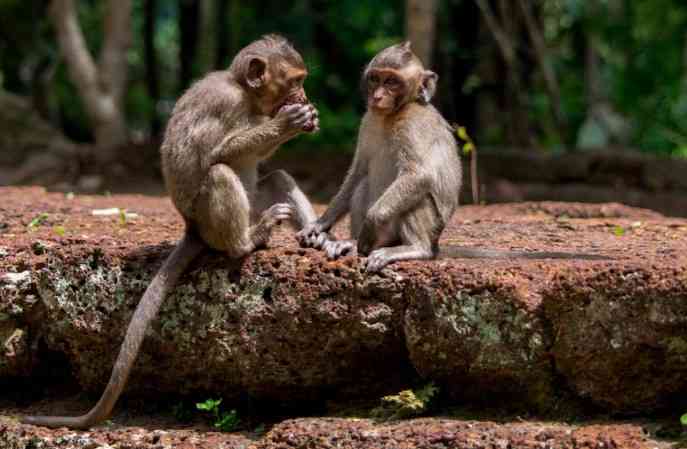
<point>396,77</point>
<point>272,72</point>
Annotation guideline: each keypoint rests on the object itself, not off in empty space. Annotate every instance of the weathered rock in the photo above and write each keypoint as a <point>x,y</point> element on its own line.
<point>476,333</point>
<point>445,433</point>
<point>286,324</point>
<point>344,434</point>
<point>621,333</point>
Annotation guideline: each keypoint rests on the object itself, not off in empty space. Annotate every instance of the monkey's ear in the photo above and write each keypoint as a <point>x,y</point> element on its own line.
<point>406,45</point>
<point>428,86</point>
<point>256,72</point>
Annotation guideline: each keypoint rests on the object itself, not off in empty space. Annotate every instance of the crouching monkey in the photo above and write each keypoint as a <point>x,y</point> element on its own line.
<point>219,131</point>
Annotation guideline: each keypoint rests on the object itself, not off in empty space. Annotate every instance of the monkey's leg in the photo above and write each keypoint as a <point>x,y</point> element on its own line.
<point>223,215</point>
<point>279,187</point>
<point>419,232</point>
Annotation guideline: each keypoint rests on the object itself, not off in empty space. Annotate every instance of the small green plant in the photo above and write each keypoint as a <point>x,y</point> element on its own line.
<point>37,221</point>
<point>122,217</point>
<point>683,420</point>
<point>468,145</point>
<point>619,231</point>
<point>59,230</point>
<point>406,404</point>
<point>224,421</point>
<point>469,148</point>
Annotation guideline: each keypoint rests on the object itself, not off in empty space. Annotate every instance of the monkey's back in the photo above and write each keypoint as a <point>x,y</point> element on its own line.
<point>444,160</point>
<point>201,118</point>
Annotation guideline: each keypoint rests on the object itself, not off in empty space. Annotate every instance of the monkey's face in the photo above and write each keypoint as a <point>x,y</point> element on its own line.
<point>274,81</point>
<point>287,86</point>
<point>387,90</point>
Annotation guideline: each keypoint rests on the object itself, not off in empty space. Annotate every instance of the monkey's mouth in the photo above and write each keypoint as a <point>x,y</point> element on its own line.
<point>293,98</point>
<point>379,108</point>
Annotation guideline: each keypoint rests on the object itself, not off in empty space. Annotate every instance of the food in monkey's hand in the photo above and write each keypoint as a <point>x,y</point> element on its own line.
<point>299,98</point>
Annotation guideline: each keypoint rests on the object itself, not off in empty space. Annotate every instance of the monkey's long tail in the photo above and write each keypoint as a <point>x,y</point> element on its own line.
<point>462,252</point>
<point>182,255</point>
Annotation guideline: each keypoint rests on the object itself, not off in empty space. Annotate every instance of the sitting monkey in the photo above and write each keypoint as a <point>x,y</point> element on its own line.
<point>403,185</point>
<point>219,131</point>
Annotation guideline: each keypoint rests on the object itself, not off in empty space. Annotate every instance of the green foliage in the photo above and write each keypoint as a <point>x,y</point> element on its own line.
<point>683,420</point>
<point>122,217</point>
<point>37,221</point>
<point>222,420</point>
<point>405,404</point>
<point>641,45</point>
<point>618,231</point>
<point>468,145</point>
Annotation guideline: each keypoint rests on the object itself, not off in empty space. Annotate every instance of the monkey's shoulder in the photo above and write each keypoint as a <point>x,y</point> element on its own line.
<point>418,117</point>
<point>420,124</point>
<point>216,94</point>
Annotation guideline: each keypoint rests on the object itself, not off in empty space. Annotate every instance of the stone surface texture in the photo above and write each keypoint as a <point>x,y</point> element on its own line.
<point>285,324</point>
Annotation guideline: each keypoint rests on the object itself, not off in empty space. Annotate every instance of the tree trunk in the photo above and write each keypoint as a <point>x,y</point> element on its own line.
<point>101,86</point>
<point>421,27</point>
<point>151,63</point>
<point>189,19</point>
<point>207,38</point>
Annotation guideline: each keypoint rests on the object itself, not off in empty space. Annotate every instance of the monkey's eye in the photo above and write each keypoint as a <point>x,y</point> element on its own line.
<point>392,83</point>
<point>374,79</point>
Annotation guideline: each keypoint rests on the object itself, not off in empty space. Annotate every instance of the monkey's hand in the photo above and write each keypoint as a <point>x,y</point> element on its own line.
<point>313,235</point>
<point>338,248</point>
<point>299,118</point>
<point>377,260</point>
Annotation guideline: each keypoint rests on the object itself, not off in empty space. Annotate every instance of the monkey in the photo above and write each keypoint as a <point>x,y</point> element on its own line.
<point>403,184</point>
<point>219,130</point>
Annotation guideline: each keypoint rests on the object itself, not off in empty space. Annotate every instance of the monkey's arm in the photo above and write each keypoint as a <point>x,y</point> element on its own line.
<point>254,140</point>
<point>401,196</point>
<point>263,139</point>
<point>315,234</point>
<point>341,203</point>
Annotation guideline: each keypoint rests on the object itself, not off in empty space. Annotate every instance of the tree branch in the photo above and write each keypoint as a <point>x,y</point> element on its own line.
<point>542,56</point>
<point>505,45</point>
<point>80,65</point>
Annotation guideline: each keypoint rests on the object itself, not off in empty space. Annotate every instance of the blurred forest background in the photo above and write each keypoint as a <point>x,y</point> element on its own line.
<point>86,86</point>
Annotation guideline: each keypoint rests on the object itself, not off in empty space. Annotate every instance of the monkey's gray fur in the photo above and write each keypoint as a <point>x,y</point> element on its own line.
<point>220,129</point>
<point>403,185</point>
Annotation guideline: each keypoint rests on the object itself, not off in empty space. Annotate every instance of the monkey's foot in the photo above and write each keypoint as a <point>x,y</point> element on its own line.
<point>337,248</point>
